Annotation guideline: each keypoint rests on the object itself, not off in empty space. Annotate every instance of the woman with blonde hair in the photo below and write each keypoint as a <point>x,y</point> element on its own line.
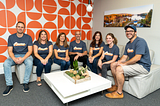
<point>109,55</point>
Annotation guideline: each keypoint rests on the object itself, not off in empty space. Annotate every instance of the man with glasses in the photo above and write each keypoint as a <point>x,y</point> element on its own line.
<point>19,50</point>
<point>139,62</point>
<point>78,50</point>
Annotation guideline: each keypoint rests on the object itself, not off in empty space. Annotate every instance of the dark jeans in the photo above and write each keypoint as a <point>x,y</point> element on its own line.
<point>64,65</point>
<point>40,66</point>
<point>93,66</point>
<point>104,69</point>
<point>81,59</point>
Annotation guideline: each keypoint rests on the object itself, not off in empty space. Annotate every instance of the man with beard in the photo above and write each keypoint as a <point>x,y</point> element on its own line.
<point>19,50</point>
<point>139,62</point>
<point>78,50</point>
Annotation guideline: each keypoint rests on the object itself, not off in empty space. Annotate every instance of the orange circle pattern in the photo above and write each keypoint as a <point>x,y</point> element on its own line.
<point>54,16</point>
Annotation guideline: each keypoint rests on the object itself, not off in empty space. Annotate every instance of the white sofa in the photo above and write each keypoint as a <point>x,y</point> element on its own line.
<point>141,85</point>
<point>19,69</point>
<point>138,86</point>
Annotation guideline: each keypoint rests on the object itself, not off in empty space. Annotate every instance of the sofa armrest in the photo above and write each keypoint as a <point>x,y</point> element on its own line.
<point>143,84</point>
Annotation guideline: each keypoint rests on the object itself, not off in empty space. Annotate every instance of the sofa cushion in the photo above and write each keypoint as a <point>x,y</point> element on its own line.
<point>151,55</point>
<point>121,50</point>
<point>88,45</point>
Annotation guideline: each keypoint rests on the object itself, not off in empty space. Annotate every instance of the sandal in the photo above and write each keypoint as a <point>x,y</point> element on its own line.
<point>39,83</point>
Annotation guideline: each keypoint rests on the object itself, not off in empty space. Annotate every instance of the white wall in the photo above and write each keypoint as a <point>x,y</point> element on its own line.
<point>151,35</point>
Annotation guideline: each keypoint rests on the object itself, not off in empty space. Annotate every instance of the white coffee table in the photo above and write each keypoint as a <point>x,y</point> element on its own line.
<point>68,91</point>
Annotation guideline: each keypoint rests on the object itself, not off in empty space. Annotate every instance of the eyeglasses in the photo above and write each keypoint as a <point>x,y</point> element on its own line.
<point>129,31</point>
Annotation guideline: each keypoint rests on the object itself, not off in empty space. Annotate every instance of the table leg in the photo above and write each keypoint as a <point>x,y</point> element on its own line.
<point>101,93</point>
<point>66,104</point>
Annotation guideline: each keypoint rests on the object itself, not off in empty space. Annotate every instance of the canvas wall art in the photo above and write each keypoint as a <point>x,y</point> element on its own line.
<point>140,16</point>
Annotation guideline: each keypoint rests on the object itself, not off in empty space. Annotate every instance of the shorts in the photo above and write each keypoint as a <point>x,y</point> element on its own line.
<point>133,70</point>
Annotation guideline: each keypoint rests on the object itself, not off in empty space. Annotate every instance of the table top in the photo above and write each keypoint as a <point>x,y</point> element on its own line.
<point>67,88</point>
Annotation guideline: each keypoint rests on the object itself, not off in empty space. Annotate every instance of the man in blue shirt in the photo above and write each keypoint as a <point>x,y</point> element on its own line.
<point>19,50</point>
<point>78,50</point>
<point>139,62</point>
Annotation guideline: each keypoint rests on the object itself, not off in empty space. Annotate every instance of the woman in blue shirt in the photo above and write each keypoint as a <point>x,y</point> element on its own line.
<point>61,52</point>
<point>43,50</point>
<point>109,55</point>
<point>95,51</point>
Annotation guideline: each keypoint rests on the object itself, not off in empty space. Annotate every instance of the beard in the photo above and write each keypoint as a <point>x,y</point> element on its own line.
<point>78,38</point>
<point>19,32</point>
<point>133,35</point>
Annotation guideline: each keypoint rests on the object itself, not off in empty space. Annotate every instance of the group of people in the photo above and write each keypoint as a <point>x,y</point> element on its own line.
<point>102,57</point>
<point>20,51</point>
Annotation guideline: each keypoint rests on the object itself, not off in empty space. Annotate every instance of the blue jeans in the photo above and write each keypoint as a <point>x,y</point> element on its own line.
<point>93,66</point>
<point>64,65</point>
<point>40,66</point>
<point>8,73</point>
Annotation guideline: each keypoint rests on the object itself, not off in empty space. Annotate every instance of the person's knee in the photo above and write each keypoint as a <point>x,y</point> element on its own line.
<point>113,65</point>
<point>88,63</point>
<point>95,61</point>
<point>28,61</point>
<point>103,66</point>
<point>49,64</point>
<point>119,70</point>
<point>63,63</point>
<point>7,63</point>
<point>85,57</point>
<point>40,65</point>
<point>71,57</point>
<point>68,63</point>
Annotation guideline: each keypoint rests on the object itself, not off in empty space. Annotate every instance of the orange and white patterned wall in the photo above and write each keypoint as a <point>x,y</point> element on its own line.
<point>54,16</point>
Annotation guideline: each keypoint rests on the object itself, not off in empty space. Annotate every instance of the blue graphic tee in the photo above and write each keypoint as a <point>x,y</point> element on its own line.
<point>96,48</point>
<point>20,45</point>
<point>139,46</point>
<point>110,52</point>
<point>77,47</point>
<point>61,51</point>
<point>43,49</point>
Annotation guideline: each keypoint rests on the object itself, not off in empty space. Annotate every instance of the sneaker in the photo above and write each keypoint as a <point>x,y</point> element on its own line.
<point>26,88</point>
<point>8,90</point>
<point>112,89</point>
<point>114,95</point>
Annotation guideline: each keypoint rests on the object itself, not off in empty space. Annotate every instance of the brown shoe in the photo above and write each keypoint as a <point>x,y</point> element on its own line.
<point>114,95</point>
<point>112,89</point>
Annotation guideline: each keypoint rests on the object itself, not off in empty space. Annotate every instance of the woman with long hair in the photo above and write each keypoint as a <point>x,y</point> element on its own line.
<point>109,55</point>
<point>61,52</point>
<point>43,50</point>
<point>95,51</point>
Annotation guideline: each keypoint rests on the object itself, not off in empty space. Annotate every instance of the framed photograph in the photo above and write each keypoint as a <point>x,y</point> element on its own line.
<point>140,16</point>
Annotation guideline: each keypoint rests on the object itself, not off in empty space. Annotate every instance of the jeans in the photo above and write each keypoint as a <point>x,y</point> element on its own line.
<point>81,59</point>
<point>8,73</point>
<point>93,66</point>
<point>64,65</point>
<point>40,66</point>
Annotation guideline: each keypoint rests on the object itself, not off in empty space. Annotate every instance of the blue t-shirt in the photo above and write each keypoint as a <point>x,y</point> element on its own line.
<point>20,45</point>
<point>96,48</point>
<point>139,46</point>
<point>110,52</point>
<point>43,49</point>
<point>77,47</point>
<point>61,51</point>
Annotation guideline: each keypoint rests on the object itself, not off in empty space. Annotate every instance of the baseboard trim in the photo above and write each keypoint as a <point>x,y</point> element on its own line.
<point>2,70</point>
